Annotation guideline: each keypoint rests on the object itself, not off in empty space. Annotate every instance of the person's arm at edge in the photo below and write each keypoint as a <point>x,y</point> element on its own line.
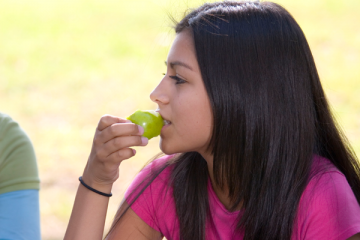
<point>20,215</point>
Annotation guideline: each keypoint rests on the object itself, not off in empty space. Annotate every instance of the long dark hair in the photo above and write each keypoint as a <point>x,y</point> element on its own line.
<point>270,117</point>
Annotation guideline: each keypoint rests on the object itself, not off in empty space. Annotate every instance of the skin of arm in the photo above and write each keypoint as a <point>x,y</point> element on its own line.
<point>89,212</point>
<point>131,226</point>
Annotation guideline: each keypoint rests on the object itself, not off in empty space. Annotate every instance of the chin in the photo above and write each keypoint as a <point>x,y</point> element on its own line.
<point>167,148</point>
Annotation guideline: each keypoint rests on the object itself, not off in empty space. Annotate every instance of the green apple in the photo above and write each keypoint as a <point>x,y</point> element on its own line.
<point>151,121</point>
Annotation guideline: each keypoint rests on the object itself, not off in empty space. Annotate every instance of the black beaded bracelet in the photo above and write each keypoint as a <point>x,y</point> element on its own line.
<point>94,190</point>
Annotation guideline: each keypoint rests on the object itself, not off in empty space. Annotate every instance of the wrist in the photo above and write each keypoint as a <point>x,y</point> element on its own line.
<point>102,187</point>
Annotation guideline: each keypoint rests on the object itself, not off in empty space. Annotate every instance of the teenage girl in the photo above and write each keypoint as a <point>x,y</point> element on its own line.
<point>252,150</point>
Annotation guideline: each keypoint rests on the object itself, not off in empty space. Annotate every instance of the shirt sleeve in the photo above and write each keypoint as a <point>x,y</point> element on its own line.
<point>329,209</point>
<point>18,167</point>
<point>143,198</point>
<point>20,215</point>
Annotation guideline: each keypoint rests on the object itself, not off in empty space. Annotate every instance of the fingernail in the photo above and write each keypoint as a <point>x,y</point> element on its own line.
<point>141,130</point>
<point>134,151</point>
<point>144,141</point>
<point>128,121</point>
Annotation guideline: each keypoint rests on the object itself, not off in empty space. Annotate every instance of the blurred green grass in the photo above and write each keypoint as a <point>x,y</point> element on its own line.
<point>63,64</point>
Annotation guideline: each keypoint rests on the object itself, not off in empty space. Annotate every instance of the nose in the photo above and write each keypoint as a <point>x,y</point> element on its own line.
<point>160,94</point>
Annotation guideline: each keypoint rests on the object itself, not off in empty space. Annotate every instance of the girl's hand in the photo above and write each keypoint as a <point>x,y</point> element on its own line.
<point>111,143</point>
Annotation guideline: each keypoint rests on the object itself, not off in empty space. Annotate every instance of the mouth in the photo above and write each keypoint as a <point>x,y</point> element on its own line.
<point>166,122</point>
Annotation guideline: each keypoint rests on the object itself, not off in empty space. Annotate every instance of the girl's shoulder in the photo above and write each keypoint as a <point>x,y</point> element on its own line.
<point>161,164</point>
<point>156,173</point>
<point>150,195</point>
<point>328,207</point>
<point>326,183</point>
<point>321,166</point>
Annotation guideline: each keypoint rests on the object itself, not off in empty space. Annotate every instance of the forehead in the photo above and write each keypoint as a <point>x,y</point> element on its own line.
<point>183,48</point>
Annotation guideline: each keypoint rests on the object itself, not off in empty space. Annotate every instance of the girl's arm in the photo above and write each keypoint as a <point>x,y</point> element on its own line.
<point>131,226</point>
<point>88,215</point>
<point>112,140</point>
<point>88,220</point>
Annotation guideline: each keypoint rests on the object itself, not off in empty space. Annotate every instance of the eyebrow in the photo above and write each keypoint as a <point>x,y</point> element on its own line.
<point>172,64</point>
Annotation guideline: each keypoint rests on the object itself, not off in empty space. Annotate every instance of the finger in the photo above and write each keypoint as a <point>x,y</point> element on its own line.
<point>108,120</point>
<point>120,129</point>
<point>122,154</point>
<point>123,142</point>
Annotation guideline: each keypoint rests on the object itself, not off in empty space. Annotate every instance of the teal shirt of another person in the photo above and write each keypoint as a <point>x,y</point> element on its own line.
<point>19,183</point>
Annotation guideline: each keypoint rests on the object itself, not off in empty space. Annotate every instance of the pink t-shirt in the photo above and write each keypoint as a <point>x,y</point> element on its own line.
<point>328,208</point>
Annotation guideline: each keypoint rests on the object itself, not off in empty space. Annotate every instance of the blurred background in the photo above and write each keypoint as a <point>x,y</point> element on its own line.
<point>64,64</point>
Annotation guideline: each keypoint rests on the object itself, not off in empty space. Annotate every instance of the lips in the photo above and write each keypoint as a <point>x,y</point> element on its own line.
<point>166,122</point>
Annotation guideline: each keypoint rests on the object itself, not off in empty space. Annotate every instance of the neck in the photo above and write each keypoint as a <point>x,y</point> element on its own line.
<point>221,192</point>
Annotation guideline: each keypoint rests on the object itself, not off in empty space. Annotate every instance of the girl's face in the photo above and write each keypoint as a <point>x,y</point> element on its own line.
<point>183,101</point>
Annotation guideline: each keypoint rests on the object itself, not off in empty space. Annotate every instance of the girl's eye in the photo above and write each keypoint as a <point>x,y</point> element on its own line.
<point>177,79</point>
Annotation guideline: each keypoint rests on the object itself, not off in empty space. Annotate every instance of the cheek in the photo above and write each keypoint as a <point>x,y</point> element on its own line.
<point>196,120</point>
<point>201,114</point>
<point>192,124</point>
